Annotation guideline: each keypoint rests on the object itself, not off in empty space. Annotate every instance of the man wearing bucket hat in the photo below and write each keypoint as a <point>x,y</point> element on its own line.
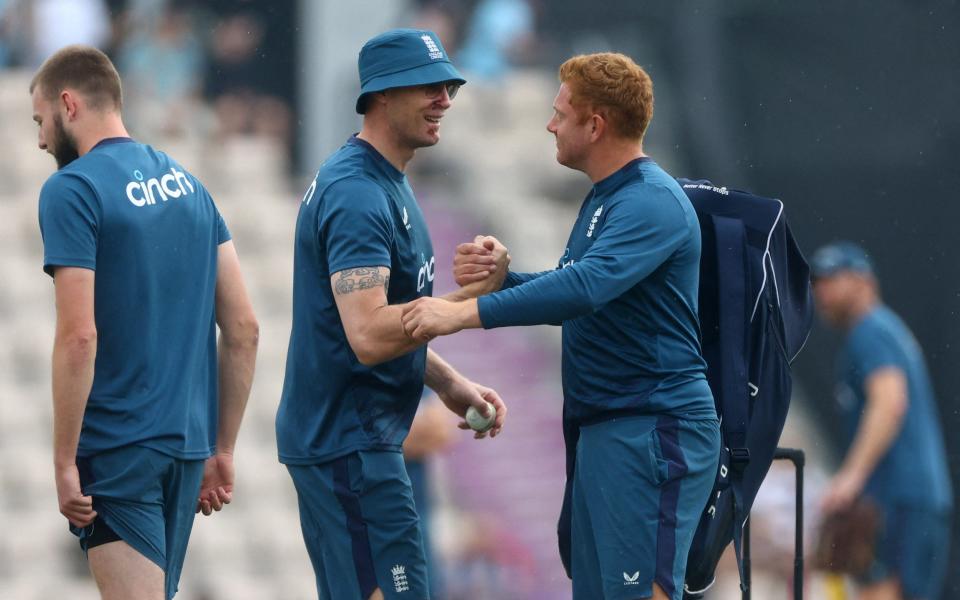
<point>354,378</point>
<point>895,455</point>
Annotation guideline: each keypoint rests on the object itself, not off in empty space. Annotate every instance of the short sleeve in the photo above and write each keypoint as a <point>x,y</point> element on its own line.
<point>223,234</point>
<point>871,349</point>
<point>69,223</point>
<point>356,225</point>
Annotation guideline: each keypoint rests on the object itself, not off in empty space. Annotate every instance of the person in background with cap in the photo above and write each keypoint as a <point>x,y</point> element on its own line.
<point>353,377</point>
<point>895,454</point>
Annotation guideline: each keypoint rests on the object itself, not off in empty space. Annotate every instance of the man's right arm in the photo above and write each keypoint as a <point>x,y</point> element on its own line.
<point>887,401</point>
<point>69,223</point>
<point>372,326</point>
<point>74,355</point>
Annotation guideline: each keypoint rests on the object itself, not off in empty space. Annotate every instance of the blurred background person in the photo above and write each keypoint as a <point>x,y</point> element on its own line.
<point>498,33</point>
<point>245,79</point>
<point>431,434</point>
<point>895,455</point>
<point>162,60</point>
<point>59,23</point>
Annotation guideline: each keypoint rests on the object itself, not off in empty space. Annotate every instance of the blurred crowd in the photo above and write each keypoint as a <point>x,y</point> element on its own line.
<point>228,67</point>
<point>215,66</point>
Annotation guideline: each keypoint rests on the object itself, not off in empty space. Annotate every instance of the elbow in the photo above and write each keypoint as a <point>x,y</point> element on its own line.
<point>243,333</point>
<point>369,351</point>
<point>367,354</point>
<point>588,304</point>
<point>898,408</point>
<point>79,344</point>
<point>584,301</point>
<point>367,360</point>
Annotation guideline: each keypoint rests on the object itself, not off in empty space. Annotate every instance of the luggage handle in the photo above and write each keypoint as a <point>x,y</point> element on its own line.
<point>798,458</point>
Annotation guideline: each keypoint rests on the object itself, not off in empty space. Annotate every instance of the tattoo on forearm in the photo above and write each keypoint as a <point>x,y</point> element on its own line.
<point>363,278</point>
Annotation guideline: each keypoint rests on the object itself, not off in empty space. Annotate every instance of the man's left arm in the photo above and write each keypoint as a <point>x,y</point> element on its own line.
<point>886,405</point>
<point>459,393</point>
<point>74,355</point>
<point>635,240</point>
<point>236,358</point>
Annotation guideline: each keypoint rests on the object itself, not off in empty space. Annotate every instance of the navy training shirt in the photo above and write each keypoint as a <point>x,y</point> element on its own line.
<point>150,231</point>
<point>358,212</point>
<point>914,471</point>
<point>625,292</point>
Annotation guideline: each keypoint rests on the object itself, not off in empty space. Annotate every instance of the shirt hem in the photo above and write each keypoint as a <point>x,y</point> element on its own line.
<point>287,459</point>
<point>334,269</point>
<point>179,455</point>
<point>54,262</point>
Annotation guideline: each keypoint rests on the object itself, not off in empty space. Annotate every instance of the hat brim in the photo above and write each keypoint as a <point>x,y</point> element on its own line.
<point>824,273</point>
<point>827,272</point>
<point>421,75</point>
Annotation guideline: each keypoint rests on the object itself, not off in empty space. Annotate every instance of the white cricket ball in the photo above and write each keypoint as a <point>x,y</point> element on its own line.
<point>478,422</point>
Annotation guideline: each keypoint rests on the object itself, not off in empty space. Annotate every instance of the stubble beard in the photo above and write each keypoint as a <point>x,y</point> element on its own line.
<point>64,146</point>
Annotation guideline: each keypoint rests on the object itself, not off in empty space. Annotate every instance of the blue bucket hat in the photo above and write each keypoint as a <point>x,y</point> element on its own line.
<point>401,58</point>
<point>840,256</point>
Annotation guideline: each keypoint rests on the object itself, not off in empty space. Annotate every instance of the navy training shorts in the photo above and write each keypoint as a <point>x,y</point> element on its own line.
<point>640,486</point>
<point>913,545</point>
<point>148,499</point>
<point>361,527</point>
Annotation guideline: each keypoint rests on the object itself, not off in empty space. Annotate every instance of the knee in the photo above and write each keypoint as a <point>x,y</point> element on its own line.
<point>658,593</point>
<point>376,595</point>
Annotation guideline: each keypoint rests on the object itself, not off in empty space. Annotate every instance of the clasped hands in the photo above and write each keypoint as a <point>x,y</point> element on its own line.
<point>479,267</point>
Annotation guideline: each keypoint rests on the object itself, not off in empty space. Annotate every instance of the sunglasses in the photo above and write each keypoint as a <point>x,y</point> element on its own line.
<point>435,90</point>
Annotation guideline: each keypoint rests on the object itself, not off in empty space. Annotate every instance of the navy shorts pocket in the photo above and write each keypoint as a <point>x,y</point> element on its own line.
<point>666,456</point>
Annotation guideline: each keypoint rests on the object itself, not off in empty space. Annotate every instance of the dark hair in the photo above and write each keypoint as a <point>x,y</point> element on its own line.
<point>85,69</point>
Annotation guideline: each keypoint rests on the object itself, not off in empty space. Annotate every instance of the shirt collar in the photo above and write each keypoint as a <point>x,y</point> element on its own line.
<point>385,164</point>
<point>111,140</point>
<point>615,179</point>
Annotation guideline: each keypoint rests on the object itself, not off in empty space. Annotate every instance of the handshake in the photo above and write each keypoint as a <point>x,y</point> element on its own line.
<point>479,268</point>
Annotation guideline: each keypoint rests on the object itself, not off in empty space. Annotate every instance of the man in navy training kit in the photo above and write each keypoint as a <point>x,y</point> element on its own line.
<point>145,420</point>
<point>625,291</point>
<point>894,447</point>
<point>353,378</point>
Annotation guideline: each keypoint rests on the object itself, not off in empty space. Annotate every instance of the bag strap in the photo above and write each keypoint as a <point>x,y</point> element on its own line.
<point>733,403</point>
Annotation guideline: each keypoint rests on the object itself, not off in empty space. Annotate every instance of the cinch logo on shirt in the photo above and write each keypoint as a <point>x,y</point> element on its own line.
<point>432,48</point>
<point>426,273</point>
<point>169,185</point>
